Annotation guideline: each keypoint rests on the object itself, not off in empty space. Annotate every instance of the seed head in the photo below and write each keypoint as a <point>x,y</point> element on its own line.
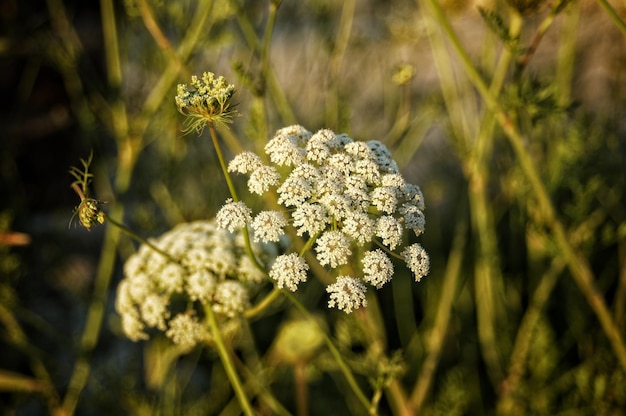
<point>205,100</point>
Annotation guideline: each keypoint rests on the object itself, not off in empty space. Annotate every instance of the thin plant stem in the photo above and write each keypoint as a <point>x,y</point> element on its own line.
<point>228,363</point>
<point>476,151</point>
<point>256,375</point>
<point>523,61</point>
<point>372,322</point>
<point>259,100</point>
<point>302,391</point>
<point>620,294</point>
<point>439,328</point>
<point>621,25</point>
<point>332,110</point>
<point>263,304</point>
<point>267,38</point>
<point>449,84</point>
<point>347,373</point>
<point>577,264</point>
<point>487,272</point>
<point>68,62</point>
<point>16,336</point>
<point>566,54</point>
<point>140,239</point>
<point>397,397</point>
<point>264,394</point>
<point>220,157</point>
<point>157,34</point>
<point>506,403</point>
<point>95,314</point>
<point>308,245</point>
<point>197,27</point>
<point>233,193</point>
<point>278,95</point>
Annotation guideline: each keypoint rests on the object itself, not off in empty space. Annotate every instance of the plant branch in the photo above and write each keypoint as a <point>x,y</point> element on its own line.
<point>577,264</point>
<point>439,328</point>
<point>621,25</point>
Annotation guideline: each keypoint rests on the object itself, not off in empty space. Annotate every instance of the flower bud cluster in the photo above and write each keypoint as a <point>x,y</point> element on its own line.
<point>206,267</point>
<point>342,194</point>
<point>90,213</point>
<point>205,100</point>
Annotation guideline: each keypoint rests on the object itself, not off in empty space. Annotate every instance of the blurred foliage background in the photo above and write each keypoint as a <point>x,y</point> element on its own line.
<point>511,116</point>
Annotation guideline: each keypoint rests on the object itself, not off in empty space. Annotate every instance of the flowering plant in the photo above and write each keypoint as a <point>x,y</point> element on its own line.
<point>206,267</point>
<point>344,196</point>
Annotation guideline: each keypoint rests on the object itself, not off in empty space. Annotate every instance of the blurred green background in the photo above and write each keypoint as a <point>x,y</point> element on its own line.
<point>524,308</point>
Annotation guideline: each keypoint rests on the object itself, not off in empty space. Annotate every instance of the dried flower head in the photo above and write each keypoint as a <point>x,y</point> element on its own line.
<point>205,100</point>
<point>89,211</point>
<point>207,267</point>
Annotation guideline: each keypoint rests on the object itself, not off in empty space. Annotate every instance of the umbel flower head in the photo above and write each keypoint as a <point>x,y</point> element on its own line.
<point>205,100</point>
<point>89,211</point>
<point>212,270</point>
<point>344,196</point>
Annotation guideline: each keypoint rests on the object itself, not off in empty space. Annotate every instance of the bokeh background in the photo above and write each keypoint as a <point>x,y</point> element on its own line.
<point>501,325</point>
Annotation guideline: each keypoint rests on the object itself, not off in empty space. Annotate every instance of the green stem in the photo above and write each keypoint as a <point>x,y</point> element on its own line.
<point>613,15</point>
<point>140,239</point>
<point>233,193</point>
<point>126,157</point>
<point>507,403</point>
<point>437,333</point>
<point>578,265</point>
<point>267,38</point>
<point>336,355</point>
<point>158,93</point>
<point>95,315</point>
<point>274,87</point>
<point>15,335</point>
<point>309,243</point>
<point>566,55</point>
<point>229,367</point>
<point>333,109</point>
<point>220,157</point>
<point>523,61</point>
<point>263,304</point>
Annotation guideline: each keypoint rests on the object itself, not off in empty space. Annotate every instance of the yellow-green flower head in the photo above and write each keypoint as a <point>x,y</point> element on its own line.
<point>205,100</point>
<point>89,213</point>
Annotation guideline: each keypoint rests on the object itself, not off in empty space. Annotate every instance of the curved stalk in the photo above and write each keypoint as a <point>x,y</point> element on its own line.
<point>263,304</point>
<point>621,25</point>
<point>140,239</point>
<point>229,367</point>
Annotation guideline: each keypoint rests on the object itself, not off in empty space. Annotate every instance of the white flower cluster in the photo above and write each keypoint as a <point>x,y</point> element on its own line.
<point>342,194</point>
<point>211,270</point>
